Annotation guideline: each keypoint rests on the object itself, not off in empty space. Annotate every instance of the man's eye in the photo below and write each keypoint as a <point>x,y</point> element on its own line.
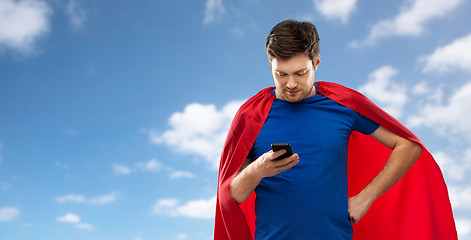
<point>301,73</point>
<point>282,74</point>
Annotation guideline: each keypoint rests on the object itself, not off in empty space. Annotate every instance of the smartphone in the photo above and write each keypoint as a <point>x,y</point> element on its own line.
<point>278,146</point>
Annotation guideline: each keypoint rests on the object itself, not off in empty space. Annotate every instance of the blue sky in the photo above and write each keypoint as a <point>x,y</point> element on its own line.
<point>113,113</point>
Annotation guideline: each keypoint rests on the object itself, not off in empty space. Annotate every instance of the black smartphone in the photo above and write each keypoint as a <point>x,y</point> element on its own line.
<point>278,146</point>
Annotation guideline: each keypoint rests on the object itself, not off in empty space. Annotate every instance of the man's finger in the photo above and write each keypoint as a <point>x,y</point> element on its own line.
<point>278,153</point>
<point>286,162</point>
<point>352,219</point>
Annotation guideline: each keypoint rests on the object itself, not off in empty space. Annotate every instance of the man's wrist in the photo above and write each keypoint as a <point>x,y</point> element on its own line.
<point>368,195</point>
<point>253,172</point>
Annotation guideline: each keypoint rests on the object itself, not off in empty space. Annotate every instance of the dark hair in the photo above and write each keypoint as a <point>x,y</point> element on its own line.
<point>289,38</point>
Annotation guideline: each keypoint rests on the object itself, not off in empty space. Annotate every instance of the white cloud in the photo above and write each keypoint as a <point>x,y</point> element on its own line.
<point>450,118</point>
<point>388,95</point>
<point>85,226</point>
<point>104,199</point>
<point>304,17</point>
<point>460,197</point>
<point>73,218</point>
<point>427,93</point>
<point>121,169</point>
<point>450,57</point>
<point>422,88</point>
<point>336,9</point>
<point>76,14</point>
<point>214,10</point>
<point>200,130</point>
<point>22,23</point>
<point>410,21</point>
<point>100,200</point>
<point>454,168</point>
<point>8,213</point>
<point>69,218</point>
<point>165,203</point>
<point>463,227</point>
<point>152,165</point>
<point>181,236</point>
<point>71,198</point>
<point>204,208</point>
<point>238,32</point>
<point>181,174</point>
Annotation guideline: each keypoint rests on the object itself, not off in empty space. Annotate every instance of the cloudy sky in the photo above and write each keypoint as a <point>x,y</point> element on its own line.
<point>113,113</point>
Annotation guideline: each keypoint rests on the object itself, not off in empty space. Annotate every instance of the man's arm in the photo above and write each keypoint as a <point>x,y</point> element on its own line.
<point>405,153</point>
<point>250,174</point>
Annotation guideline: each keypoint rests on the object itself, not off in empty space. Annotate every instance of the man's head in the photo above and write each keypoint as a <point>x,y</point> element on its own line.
<point>290,38</point>
<point>293,52</point>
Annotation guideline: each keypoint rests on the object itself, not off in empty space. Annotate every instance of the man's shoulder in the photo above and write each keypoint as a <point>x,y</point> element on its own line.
<point>262,96</point>
<point>333,87</point>
<point>257,106</point>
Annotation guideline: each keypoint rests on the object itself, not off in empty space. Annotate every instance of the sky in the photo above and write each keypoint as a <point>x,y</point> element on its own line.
<point>113,113</point>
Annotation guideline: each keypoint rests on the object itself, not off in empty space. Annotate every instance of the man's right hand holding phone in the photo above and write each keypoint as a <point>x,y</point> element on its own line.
<point>267,165</point>
<point>252,173</point>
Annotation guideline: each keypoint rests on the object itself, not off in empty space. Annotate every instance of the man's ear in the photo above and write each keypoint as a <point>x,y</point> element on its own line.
<point>315,63</point>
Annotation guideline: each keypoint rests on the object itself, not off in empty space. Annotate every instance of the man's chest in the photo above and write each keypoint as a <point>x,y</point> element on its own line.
<point>306,128</point>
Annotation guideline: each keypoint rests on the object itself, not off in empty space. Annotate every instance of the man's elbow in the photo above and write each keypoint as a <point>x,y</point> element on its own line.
<point>415,149</point>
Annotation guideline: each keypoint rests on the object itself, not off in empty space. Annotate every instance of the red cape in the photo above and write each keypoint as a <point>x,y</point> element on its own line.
<point>417,207</point>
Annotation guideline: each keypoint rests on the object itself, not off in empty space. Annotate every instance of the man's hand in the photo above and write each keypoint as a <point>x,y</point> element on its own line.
<point>267,166</point>
<point>250,174</point>
<point>357,207</point>
<point>403,156</point>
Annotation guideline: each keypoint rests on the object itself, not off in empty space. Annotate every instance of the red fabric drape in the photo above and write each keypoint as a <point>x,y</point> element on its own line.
<point>417,207</point>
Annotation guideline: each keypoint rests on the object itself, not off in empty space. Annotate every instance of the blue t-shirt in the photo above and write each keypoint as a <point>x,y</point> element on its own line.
<point>308,201</point>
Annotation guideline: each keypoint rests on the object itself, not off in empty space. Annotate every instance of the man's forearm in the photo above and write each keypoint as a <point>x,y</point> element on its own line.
<point>402,158</point>
<point>405,153</point>
<point>250,175</point>
<point>244,184</point>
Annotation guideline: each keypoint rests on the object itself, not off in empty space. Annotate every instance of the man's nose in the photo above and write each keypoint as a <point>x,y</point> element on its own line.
<point>291,84</point>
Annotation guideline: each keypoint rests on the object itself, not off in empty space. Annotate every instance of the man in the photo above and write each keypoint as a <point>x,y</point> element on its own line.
<point>305,196</point>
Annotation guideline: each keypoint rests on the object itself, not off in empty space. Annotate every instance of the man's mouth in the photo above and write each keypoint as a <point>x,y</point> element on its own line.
<point>292,92</point>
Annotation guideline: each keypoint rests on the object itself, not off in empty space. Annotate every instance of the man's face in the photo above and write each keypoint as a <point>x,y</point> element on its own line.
<point>294,77</point>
